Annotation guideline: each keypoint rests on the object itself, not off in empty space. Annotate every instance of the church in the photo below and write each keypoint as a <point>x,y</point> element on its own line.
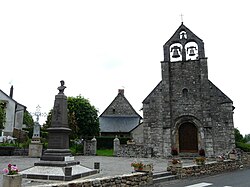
<point>186,111</point>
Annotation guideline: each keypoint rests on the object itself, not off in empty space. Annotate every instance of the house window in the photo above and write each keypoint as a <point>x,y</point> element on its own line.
<point>113,111</point>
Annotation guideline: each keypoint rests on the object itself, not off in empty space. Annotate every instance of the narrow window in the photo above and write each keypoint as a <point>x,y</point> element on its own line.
<point>185,92</point>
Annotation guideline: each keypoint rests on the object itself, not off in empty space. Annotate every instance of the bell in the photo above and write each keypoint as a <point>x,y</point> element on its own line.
<point>191,50</point>
<point>175,52</point>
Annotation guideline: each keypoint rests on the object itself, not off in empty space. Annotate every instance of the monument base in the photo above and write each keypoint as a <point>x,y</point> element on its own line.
<point>58,170</point>
<point>35,149</point>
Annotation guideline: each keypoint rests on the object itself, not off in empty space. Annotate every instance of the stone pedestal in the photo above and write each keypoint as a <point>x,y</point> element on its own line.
<point>12,180</point>
<point>57,162</point>
<point>58,133</point>
<point>35,149</point>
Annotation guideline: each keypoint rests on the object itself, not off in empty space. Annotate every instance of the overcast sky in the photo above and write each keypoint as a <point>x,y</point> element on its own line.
<point>100,46</point>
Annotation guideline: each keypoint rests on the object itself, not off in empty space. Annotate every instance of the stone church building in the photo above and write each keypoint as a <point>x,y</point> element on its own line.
<point>186,110</point>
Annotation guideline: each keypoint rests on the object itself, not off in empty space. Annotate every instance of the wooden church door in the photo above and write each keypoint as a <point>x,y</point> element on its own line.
<point>188,141</point>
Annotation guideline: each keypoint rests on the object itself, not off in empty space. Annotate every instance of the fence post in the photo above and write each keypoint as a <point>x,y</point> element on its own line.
<point>116,146</point>
<point>93,145</point>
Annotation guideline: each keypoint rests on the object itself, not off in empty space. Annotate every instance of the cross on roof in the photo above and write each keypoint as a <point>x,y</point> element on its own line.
<point>182,18</point>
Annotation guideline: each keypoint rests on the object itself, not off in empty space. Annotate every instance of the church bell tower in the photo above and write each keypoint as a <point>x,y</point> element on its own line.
<point>186,111</point>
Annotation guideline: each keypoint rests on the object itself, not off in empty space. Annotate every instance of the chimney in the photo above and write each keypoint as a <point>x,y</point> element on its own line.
<point>11,91</point>
<point>121,91</point>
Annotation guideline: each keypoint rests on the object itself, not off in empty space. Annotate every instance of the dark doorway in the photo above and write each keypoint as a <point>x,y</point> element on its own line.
<point>188,141</point>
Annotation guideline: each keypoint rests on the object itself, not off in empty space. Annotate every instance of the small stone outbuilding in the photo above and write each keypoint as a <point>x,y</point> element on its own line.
<point>119,118</point>
<point>186,110</point>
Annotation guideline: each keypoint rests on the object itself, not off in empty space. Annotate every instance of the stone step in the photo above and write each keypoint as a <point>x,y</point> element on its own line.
<point>163,176</point>
<point>188,155</point>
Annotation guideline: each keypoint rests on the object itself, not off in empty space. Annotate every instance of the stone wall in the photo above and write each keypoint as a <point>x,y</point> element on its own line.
<point>13,151</point>
<point>90,147</point>
<point>133,150</point>
<point>210,168</point>
<point>245,158</point>
<point>134,179</point>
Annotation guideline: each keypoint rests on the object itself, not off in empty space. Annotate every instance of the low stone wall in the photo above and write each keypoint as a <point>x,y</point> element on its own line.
<point>13,151</point>
<point>246,159</point>
<point>133,150</point>
<point>134,179</point>
<point>89,147</point>
<point>210,168</point>
<point>7,150</point>
<point>21,152</point>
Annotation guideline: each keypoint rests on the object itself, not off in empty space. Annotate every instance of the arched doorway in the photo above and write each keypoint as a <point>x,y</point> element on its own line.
<point>188,138</point>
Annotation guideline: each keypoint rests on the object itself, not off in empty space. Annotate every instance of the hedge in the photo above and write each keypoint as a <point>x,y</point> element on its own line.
<point>243,146</point>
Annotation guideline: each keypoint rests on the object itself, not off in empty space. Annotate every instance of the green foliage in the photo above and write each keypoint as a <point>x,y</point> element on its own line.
<point>29,122</point>
<point>2,115</point>
<point>238,136</point>
<point>25,144</point>
<point>8,144</point>
<point>104,152</point>
<point>76,147</point>
<point>247,137</point>
<point>243,146</point>
<point>82,118</point>
<point>47,123</point>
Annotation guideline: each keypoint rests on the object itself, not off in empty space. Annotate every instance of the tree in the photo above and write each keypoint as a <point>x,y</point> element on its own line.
<point>82,118</point>
<point>247,137</point>
<point>28,119</point>
<point>2,115</point>
<point>29,122</point>
<point>238,136</point>
<point>47,123</point>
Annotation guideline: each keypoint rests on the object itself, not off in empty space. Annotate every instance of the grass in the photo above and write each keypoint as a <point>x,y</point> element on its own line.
<point>104,152</point>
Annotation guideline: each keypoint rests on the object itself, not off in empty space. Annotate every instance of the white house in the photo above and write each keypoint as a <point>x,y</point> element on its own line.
<point>14,113</point>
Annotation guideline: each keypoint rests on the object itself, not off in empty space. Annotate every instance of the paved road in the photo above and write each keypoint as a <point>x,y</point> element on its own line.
<point>110,166</point>
<point>238,178</point>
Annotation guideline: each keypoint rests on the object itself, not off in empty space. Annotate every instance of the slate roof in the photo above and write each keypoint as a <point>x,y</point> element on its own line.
<point>119,116</point>
<point>215,91</point>
<point>222,98</point>
<point>118,123</point>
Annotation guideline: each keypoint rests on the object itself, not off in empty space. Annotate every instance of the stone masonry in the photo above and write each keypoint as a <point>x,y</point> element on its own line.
<point>186,110</point>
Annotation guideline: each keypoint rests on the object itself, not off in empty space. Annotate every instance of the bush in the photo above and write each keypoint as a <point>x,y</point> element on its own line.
<point>243,146</point>
<point>76,146</point>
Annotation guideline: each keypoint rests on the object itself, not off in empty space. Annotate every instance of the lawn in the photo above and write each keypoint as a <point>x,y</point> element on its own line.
<point>104,152</point>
